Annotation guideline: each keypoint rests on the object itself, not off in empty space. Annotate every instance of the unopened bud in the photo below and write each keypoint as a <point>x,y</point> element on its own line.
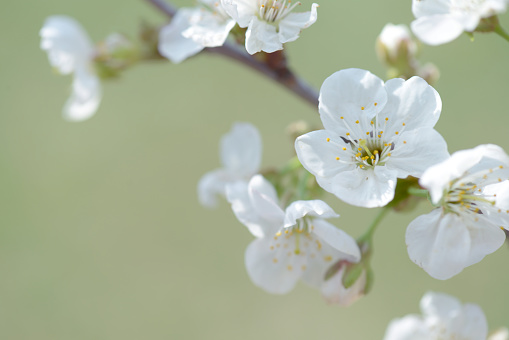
<point>395,46</point>
<point>334,291</point>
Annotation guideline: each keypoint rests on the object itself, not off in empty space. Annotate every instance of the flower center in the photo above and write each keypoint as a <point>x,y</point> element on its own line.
<point>275,10</point>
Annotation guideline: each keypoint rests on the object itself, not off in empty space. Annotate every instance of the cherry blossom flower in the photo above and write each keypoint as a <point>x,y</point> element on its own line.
<point>441,21</point>
<point>290,245</point>
<point>395,40</point>
<point>443,317</point>
<point>472,192</point>
<point>240,153</point>
<point>193,29</point>
<point>70,51</point>
<point>270,23</point>
<point>374,134</point>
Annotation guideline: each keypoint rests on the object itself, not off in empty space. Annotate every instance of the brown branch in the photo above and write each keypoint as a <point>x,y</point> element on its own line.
<point>275,65</point>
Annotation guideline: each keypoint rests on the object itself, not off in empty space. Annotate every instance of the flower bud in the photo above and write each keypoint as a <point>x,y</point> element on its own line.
<point>395,46</point>
<point>335,292</point>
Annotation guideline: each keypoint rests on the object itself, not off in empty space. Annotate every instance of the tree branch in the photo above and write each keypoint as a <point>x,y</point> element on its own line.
<point>275,65</point>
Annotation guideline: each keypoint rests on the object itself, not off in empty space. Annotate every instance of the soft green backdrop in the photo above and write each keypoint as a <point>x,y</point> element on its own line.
<point>101,234</point>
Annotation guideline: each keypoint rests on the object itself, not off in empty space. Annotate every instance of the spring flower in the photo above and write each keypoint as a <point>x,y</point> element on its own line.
<point>70,51</point>
<point>240,153</point>
<point>374,134</point>
<point>395,42</point>
<point>472,192</point>
<point>270,23</point>
<point>443,317</point>
<point>500,334</point>
<point>441,21</point>
<point>290,245</point>
<point>193,29</point>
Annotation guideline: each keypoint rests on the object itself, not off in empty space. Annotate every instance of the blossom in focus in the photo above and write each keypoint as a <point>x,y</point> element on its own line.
<point>290,245</point>
<point>240,153</point>
<point>193,29</point>
<point>472,192</point>
<point>374,134</point>
<point>70,51</point>
<point>270,23</point>
<point>441,21</point>
<point>443,317</point>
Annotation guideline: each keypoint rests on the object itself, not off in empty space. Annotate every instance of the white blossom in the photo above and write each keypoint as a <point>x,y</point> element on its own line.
<point>240,153</point>
<point>193,29</point>
<point>393,39</point>
<point>290,245</point>
<point>374,134</point>
<point>70,51</point>
<point>472,192</point>
<point>270,23</point>
<point>443,318</point>
<point>500,334</point>
<point>441,21</point>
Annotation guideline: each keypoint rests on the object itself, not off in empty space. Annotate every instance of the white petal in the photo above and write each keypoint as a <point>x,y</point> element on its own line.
<point>242,11</point>
<point>241,150</point>
<point>334,292</point>
<point>86,96</point>
<point>439,305</point>
<point>364,188</point>
<point>437,29</point>
<point>66,42</point>
<point>261,36</point>
<point>172,44</point>
<point>299,209</point>
<point>430,7</point>
<point>293,23</point>
<point>493,7</point>
<point>208,29</point>
<point>438,244</point>
<point>345,93</point>
<point>410,327</point>
<point>337,239</point>
<point>271,269</point>
<point>485,238</point>
<point>264,200</point>
<point>394,37</point>
<point>416,151</point>
<point>211,185</point>
<point>412,102</point>
<point>500,334</point>
<point>472,323</point>
<point>318,155</point>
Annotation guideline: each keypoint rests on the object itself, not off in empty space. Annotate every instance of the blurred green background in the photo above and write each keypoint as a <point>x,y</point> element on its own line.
<point>101,233</point>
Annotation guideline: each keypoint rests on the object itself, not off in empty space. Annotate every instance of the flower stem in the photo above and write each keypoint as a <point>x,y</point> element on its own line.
<point>500,31</point>
<point>368,235</point>
<point>278,71</point>
<point>418,192</point>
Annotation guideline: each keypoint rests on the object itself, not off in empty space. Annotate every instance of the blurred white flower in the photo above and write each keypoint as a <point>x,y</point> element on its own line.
<point>374,134</point>
<point>240,153</point>
<point>270,23</point>
<point>292,244</point>
<point>443,317</point>
<point>500,334</point>
<point>70,51</point>
<point>472,192</point>
<point>441,21</point>
<point>193,29</point>
<point>334,292</point>
<point>395,40</point>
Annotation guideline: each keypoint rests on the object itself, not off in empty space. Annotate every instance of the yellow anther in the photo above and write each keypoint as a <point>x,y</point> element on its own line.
<point>386,118</point>
<point>286,231</point>
<point>379,136</point>
<point>404,142</point>
<point>500,179</point>
<point>289,268</point>
<point>278,233</point>
<point>404,124</point>
<point>303,267</point>
<point>275,237</point>
<point>359,149</point>
<point>375,152</point>
<point>274,260</point>
<point>341,117</point>
<point>499,210</point>
<point>318,244</point>
<point>344,149</point>
<point>381,132</point>
<point>397,132</point>
<point>372,123</point>
<point>312,227</point>
<point>485,176</point>
<point>367,133</point>
<point>271,247</point>
<point>361,166</point>
<point>362,107</point>
<point>491,170</point>
<point>328,139</point>
<point>376,104</point>
<point>356,122</point>
<point>337,158</point>
<point>501,166</point>
<point>289,253</point>
<point>328,258</point>
<point>385,144</point>
<point>278,245</point>
<point>502,228</point>
<point>372,157</point>
<point>297,251</point>
<point>389,154</point>
<point>348,133</point>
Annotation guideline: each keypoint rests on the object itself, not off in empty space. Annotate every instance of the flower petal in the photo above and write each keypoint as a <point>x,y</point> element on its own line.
<point>299,209</point>
<point>345,93</point>
<point>86,95</point>
<point>241,150</point>
<point>293,23</point>
<point>334,292</point>
<point>430,7</point>
<point>363,188</point>
<point>211,185</point>
<point>410,327</point>
<point>472,324</point>
<point>412,102</point>
<point>242,11</point>
<point>485,238</point>
<point>337,239</point>
<point>172,44</point>
<point>271,269</point>
<point>261,36</point>
<point>416,151</point>
<point>437,29</point>
<point>264,200</point>
<point>439,305</point>
<point>440,244</point>
<point>208,29</point>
